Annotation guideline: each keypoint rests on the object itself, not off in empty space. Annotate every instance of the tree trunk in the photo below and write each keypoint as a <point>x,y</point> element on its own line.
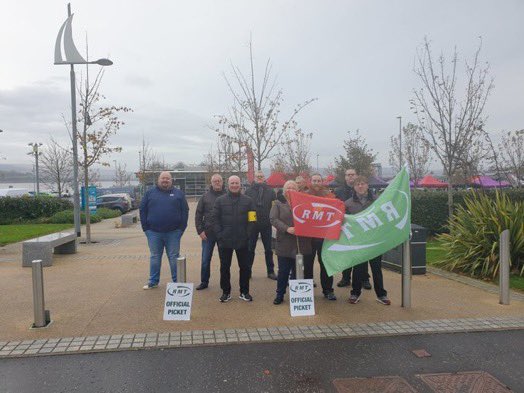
<point>450,198</point>
<point>86,203</point>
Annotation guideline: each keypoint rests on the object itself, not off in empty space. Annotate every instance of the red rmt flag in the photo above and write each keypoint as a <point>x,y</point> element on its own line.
<point>315,216</point>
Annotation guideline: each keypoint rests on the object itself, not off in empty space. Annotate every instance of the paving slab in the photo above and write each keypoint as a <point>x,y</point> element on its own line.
<point>98,292</point>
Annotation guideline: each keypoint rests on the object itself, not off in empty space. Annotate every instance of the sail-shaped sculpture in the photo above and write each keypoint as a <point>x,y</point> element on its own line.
<point>65,35</point>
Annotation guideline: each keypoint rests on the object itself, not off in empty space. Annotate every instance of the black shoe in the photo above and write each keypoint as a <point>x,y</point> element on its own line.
<point>272,276</point>
<point>330,296</point>
<point>246,297</point>
<point>343,283</point>
<point>278,300</point>
<point>366,285</point>
<point>314,284</point>
<point>201,286</point>
<point>226,297</point>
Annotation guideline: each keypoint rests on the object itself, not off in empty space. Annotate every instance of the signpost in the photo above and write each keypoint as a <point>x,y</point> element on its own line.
<point>91,197</point>
<point>301,298</point>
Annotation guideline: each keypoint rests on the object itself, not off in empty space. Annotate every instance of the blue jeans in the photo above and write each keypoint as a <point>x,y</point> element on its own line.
<point>285,266</point>
<point>207,252</point>
<point>157,241</point>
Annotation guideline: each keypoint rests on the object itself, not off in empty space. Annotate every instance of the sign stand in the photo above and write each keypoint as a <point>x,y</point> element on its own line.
<point>179,297</point>
<point>301,298</point>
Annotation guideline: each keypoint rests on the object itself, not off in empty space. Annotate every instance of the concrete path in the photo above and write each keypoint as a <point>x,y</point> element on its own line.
<point>98,291</point>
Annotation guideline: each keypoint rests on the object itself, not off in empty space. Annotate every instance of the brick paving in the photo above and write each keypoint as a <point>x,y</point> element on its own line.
<point>188,338</point>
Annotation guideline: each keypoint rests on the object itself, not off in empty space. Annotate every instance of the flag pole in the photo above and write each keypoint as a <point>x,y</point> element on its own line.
<point>299,262</point>
<point>406,274</point>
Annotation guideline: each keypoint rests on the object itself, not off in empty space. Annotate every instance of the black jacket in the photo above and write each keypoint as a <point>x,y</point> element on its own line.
<point>263,197</point>
<point>204,212</point>
<point>344,192</point>
<point>230,220</point>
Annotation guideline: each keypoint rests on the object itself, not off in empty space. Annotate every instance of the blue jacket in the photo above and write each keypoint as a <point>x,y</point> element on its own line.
<point>164,211</point>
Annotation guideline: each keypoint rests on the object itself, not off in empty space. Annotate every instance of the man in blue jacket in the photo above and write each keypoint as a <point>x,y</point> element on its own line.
<point>163,215</point>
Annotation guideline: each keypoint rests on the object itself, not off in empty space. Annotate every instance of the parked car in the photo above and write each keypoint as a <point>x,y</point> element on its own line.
<point>120,202</point>
<point>13,192</point>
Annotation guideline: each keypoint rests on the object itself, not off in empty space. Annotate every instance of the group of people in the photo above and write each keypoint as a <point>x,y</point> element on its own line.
<point>233,221</point>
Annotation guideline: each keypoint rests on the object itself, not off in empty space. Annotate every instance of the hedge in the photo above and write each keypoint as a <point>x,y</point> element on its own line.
<point>23,209</point>
<point>429,208</point>
<point>67,217</point>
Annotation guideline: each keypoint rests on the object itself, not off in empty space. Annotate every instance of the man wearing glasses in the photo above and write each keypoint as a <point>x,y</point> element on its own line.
<point>344,193</point>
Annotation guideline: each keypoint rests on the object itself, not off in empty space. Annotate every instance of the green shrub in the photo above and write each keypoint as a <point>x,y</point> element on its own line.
<point>429,208</point>
<point>472,245</point>
<point>67,217</point>
<point>23,209</point>
<point>105,213</point>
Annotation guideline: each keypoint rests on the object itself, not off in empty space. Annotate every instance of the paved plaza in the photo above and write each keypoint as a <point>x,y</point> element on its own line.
<point>97,303</point>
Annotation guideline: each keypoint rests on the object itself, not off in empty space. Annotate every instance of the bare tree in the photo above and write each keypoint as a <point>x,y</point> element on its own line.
<point>357,156</point>
<point>228,156</point>
<point>295,152</point>
<point>56,166</point>
<point>122,176</point>
<point>451,121</point>
<point>512,154</point>
<point>98,124</point>
<point>415,152</point>
<point>253,119</point>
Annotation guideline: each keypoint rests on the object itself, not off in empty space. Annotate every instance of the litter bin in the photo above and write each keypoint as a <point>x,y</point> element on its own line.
<point>393,258</point>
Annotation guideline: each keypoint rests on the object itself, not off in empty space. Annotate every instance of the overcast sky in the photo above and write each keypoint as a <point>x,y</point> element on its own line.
<point>356,57</point>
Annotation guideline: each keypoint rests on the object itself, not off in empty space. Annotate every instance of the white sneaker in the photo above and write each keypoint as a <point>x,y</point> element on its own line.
<point>150,286</point>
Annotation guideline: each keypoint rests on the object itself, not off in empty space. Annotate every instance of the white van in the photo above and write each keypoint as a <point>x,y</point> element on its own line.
<point>13,192</point>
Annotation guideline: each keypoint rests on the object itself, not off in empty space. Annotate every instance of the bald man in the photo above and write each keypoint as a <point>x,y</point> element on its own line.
<point>234,216</point>
<point>163,215</point>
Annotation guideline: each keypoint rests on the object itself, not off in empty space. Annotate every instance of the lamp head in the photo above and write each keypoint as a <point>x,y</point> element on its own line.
<point>103,62</point>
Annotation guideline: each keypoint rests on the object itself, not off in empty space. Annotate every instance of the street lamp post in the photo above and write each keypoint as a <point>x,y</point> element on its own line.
<point>400,138</point>
<point>116,172</point>
<point>72,57</point>
<point>317,161</point>
<point>35,146</point>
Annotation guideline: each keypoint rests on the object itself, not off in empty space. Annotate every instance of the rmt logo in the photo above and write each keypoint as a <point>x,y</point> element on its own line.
<point>181,291</point>
<point>319,215</point>
<point>301,287</point>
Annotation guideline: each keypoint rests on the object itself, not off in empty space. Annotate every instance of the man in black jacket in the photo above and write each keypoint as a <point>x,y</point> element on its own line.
<point>344,193</point>
<point>204,227</point>
<point>233,218</point>
<point>263,197</point>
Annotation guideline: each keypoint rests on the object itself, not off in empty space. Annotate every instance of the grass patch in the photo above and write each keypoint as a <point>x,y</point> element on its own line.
<point>516,282</point>
<point>16,233</point>
<point>435,252</point>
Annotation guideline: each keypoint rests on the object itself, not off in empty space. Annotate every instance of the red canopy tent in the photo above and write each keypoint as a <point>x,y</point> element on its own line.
<point>276,179</point>
<point>328,180</point>
<point>429,181</point>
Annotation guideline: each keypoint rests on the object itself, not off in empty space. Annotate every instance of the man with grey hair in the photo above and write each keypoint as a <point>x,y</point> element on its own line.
<point>204,227</point>
<point>263,196</point>
<point>163,214</point>
<point>233,218</point>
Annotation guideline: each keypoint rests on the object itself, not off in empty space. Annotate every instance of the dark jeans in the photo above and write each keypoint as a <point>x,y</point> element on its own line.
<point>207,252</point>
<point>346,274</point>
<point>285,267</point>
<point>308,267</point>
<point>226,255</point>
<point>325,280</point>
<point>265,234</point>
<point>359,272</point>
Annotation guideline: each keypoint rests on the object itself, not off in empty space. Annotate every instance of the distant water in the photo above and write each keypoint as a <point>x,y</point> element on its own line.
<point>45,188</point>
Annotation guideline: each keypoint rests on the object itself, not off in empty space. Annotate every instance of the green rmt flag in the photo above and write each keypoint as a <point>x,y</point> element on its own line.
<point>383,225</point>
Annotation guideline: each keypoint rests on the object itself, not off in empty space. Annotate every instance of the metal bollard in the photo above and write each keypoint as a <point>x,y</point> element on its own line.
<point>406,274</point>
<point>38,294</point>
<point>299,266</point>
<point>181,269</point>
<point>504,259</point>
